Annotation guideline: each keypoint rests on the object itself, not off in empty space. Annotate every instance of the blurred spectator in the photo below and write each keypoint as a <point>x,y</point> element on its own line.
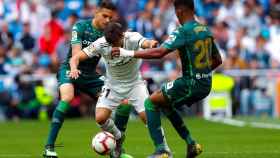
<point>158,32</point>
<point>87,11</point>
<point>63,46</point>
<point>273,46</point>
<point>222,34</point>
<point>27,40</point>
<point>3,60</point>
<point>6,37</point>
<point>250,20</point>
<point>261,54</point>
<point>256,101</point>
<point>15,61</point>
<point>39,15</point>
<point>144,24</point>
<point>71,20</point>
<point>233,61</point>
<point>46,45</point>
<point>230,12</point>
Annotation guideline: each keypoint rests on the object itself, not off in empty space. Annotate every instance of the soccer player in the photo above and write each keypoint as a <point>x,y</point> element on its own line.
<point>199,57</point>
<point>123,79</point>
<point>83,33</point>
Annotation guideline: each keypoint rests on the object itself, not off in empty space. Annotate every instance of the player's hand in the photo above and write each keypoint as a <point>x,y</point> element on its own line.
<point>74,74</point>
<point>153,43</point>
<point>115,52</point>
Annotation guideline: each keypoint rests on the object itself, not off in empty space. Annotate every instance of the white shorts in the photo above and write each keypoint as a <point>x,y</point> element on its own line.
<point>110,99</point>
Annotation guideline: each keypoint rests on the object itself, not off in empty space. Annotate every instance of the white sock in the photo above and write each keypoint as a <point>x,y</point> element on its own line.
<point>110,126</point>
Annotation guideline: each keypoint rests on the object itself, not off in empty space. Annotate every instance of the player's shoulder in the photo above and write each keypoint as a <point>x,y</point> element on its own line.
<point>82,24</point>
<point>129,34</point>
<point>196,27</point>
<point>101,42</point>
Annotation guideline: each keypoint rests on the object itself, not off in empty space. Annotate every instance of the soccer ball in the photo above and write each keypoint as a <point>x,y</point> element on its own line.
<point>103,143</point>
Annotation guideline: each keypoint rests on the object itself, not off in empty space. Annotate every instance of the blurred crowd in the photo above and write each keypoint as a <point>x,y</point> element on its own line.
<point>35,34</point>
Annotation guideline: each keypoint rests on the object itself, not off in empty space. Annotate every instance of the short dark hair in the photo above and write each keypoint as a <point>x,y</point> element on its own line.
<point>113,31</point>
<point>108,4</point>
<point>186,3</point>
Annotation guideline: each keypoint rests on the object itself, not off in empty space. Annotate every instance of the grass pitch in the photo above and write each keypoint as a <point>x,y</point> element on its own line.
<point>26,139</point>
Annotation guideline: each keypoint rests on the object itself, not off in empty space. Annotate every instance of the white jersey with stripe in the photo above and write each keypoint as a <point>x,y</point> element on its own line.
<point>122,73</point>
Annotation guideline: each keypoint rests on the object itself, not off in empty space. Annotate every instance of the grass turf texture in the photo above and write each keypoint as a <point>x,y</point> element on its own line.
<point>26,140</point>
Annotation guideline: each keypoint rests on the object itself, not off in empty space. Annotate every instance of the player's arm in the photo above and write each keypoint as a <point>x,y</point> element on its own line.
<point>76,44</point>
<point>153,53</point>
<point>175,41</point>
<point>88,52</point>
<point>216,59</point>
<point>74,63</point>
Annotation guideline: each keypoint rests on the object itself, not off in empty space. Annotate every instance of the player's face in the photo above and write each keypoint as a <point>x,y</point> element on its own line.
<point>103,17</point>
<point>119,41</point>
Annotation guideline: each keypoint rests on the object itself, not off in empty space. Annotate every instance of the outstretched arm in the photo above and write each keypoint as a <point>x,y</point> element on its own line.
<point>153,53</point>
<point>74,62</point>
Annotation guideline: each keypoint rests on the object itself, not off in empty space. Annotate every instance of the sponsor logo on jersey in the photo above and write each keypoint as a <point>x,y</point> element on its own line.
<point>85,42</point>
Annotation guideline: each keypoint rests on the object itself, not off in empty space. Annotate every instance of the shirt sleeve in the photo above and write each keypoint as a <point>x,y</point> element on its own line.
<point>94,49</point>
<point>76,35</point>
<point>136,40</point>
<point>176,39</point>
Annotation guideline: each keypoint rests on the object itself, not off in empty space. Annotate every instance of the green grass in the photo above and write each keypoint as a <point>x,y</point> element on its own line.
<point>26,140</point>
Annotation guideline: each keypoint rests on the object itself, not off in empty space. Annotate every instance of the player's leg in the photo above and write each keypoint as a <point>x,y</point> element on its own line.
<point>178,93</point>
<point>106,102</point>
<point>66,95</point>
<point>102,118</point>
<point>154,124</point>
<point>138,96</point>
<point>178,123</point>
<point>122,116</point>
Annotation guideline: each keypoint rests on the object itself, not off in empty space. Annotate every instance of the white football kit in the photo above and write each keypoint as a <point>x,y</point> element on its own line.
<point>123,78</point>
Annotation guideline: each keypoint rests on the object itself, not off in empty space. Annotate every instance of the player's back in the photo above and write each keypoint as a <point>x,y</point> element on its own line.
<point>196,50</point>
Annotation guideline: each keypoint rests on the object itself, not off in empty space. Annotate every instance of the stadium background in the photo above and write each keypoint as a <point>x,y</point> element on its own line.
<point>33,43</point>
<point>34,39</point>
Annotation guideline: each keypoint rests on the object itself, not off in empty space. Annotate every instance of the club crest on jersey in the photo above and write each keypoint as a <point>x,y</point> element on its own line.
<point>74,35</point>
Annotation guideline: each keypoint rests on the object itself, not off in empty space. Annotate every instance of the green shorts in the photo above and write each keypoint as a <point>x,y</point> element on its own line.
<point>86,83</point>
<point>184,91</point>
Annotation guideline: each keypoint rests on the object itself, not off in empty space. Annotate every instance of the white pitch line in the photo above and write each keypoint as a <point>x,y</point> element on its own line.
<point>228,121</point>
<point>265,125</point>
<point>239,123</point>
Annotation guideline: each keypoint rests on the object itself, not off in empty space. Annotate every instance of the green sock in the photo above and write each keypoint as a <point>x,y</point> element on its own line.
<point>179,125</point>
<point>57,121</point>
<point>122,116</point>
<point>154,124</point>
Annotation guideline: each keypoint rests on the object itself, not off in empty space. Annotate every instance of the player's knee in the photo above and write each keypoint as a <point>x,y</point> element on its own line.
<point>100,118</point>
<point>66,97</point>
<point>124,109</point>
